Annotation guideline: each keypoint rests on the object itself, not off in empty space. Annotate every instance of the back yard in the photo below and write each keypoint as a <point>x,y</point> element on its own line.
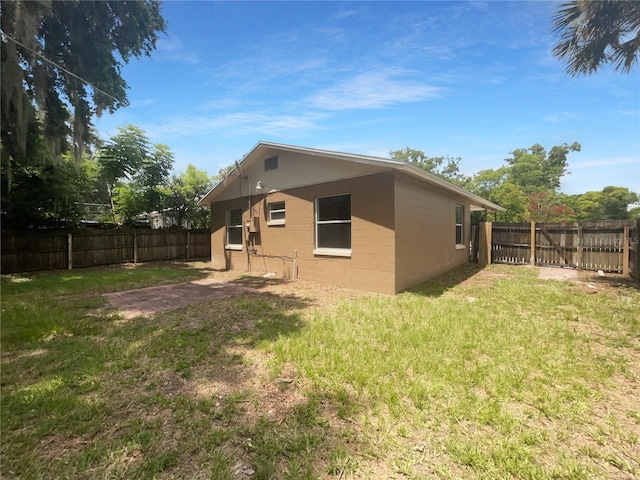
<point>479,374</point>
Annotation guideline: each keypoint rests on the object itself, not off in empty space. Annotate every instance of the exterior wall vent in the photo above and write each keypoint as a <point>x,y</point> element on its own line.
<point>270,163</point>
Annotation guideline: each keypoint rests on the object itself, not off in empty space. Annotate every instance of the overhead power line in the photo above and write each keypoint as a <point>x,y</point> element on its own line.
<point>6,36</point>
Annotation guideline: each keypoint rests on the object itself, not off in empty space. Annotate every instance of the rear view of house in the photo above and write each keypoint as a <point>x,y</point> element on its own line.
<point>355,221</point>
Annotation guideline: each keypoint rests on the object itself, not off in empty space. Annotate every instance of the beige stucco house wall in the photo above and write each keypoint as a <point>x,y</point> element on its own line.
<point>405,225</point>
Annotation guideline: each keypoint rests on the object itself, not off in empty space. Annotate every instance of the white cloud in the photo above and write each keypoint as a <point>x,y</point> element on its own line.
<point>238,124</point>
<point>562,117</point>
<point>607,162</point>
<point>174,49</point>
<point>376,89</point>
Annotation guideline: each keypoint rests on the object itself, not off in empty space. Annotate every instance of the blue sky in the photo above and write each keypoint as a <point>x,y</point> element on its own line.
<point>474,80</point>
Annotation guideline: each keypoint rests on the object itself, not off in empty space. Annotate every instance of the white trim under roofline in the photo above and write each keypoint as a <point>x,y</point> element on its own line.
<point>400,165</point>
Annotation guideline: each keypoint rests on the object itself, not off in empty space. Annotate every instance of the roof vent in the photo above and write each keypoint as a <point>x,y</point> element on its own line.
<point>270,163</point>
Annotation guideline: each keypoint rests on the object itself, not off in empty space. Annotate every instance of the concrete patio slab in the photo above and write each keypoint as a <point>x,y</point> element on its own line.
<point>557,273</point>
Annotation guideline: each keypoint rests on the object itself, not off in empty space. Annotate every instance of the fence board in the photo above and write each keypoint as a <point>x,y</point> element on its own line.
<point>587,245</point>
<point>511,243</point>
<point>49,250</point>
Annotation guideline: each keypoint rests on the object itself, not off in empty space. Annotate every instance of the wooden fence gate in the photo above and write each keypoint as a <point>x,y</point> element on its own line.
<point>610,246</point>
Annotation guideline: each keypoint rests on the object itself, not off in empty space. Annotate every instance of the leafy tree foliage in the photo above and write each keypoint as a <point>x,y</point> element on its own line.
<point>444,167</point>
<point>594,33</point>
<point>183,193</point>
<point>548,207</point>
<point>44,194</point>
<point>611,203</point>
<point>89,40</point>
<point>512,198</point>
<point>135,173</point>
<point>535,170</point>
<point>527,184</point>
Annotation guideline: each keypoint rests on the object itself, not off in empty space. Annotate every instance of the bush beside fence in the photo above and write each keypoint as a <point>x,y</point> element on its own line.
<point>50,250</point>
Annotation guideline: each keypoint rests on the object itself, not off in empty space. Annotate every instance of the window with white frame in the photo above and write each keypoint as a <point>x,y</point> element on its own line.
<point>333,225</point>
<point>276,213</point>
<point>234,229</point>
<point>459,225</point>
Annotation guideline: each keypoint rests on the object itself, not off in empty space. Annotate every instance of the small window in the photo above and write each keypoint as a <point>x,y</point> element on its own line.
<point>234,229</point>
<point>459,225</point>
<point>270,163</point>
<point>276,213</point>
<point>333,225</point>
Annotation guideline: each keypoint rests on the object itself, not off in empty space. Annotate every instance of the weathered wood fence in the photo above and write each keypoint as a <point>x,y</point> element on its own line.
<point>50,250</point>
<point>610,246</point>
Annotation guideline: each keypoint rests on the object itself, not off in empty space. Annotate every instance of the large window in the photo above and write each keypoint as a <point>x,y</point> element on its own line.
<point>459,225</point>
<point>333,225</point>
<point>234,229</point>
<point>276,213</point>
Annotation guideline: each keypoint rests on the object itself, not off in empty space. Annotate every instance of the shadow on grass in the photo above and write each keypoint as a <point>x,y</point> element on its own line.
<point>445,282</point>
<point>613,281</point>
<point>86,392</point>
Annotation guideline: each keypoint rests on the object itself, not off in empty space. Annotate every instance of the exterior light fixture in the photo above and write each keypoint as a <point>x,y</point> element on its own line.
<point>259,186</point>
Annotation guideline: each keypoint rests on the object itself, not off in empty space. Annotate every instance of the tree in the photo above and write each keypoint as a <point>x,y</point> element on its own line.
<point>595,33</point>
<point>545,207</point>
<point>183,193</point>
<point>512,198</point>
<point>486,181</point>
<point>589,206</point>
<point>444,167</point>
<point>134,172</point>
<point>527,185</point>
<point>44,194</point>
<point>536,171</point>
<point>48,49</point>
<point>615,202</point>
<point>611,203</point>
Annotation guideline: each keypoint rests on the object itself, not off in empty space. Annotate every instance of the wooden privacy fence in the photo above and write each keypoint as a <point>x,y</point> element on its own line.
<point>610,246</point>
<point>49,250</point>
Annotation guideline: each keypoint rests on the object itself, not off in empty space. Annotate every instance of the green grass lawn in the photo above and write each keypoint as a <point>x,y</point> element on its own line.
<point>478,374</point>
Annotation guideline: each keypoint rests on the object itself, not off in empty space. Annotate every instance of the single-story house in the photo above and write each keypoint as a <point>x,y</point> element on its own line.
<point>361,222</point>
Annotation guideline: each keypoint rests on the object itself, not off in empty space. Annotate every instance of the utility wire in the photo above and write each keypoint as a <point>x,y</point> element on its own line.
<point>87,82</point>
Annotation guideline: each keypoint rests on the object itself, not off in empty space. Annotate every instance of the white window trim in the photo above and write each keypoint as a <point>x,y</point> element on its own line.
<point>233,246</point>
<point>459,246</point>
<point>333,252</point>
<point>278,221</point>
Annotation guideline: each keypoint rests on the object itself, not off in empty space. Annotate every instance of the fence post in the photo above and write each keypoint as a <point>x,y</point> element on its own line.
<point>625,251</point>
<point>579,249</point>
<point>484,244</point>
<point>135,248</point>
<point>70,251</point>
<point>533,242</point>
<point>188,242</point>
<point>637,238</point>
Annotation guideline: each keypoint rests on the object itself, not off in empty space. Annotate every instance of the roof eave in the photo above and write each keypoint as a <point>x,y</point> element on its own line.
<point>406,167</point>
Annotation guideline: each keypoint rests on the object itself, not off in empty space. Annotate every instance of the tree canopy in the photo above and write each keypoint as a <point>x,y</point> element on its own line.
<point>50,49</point>
<point>444,167</point>
<point>135,173</point>
<point>183,193</point>
<point>595,33</point>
